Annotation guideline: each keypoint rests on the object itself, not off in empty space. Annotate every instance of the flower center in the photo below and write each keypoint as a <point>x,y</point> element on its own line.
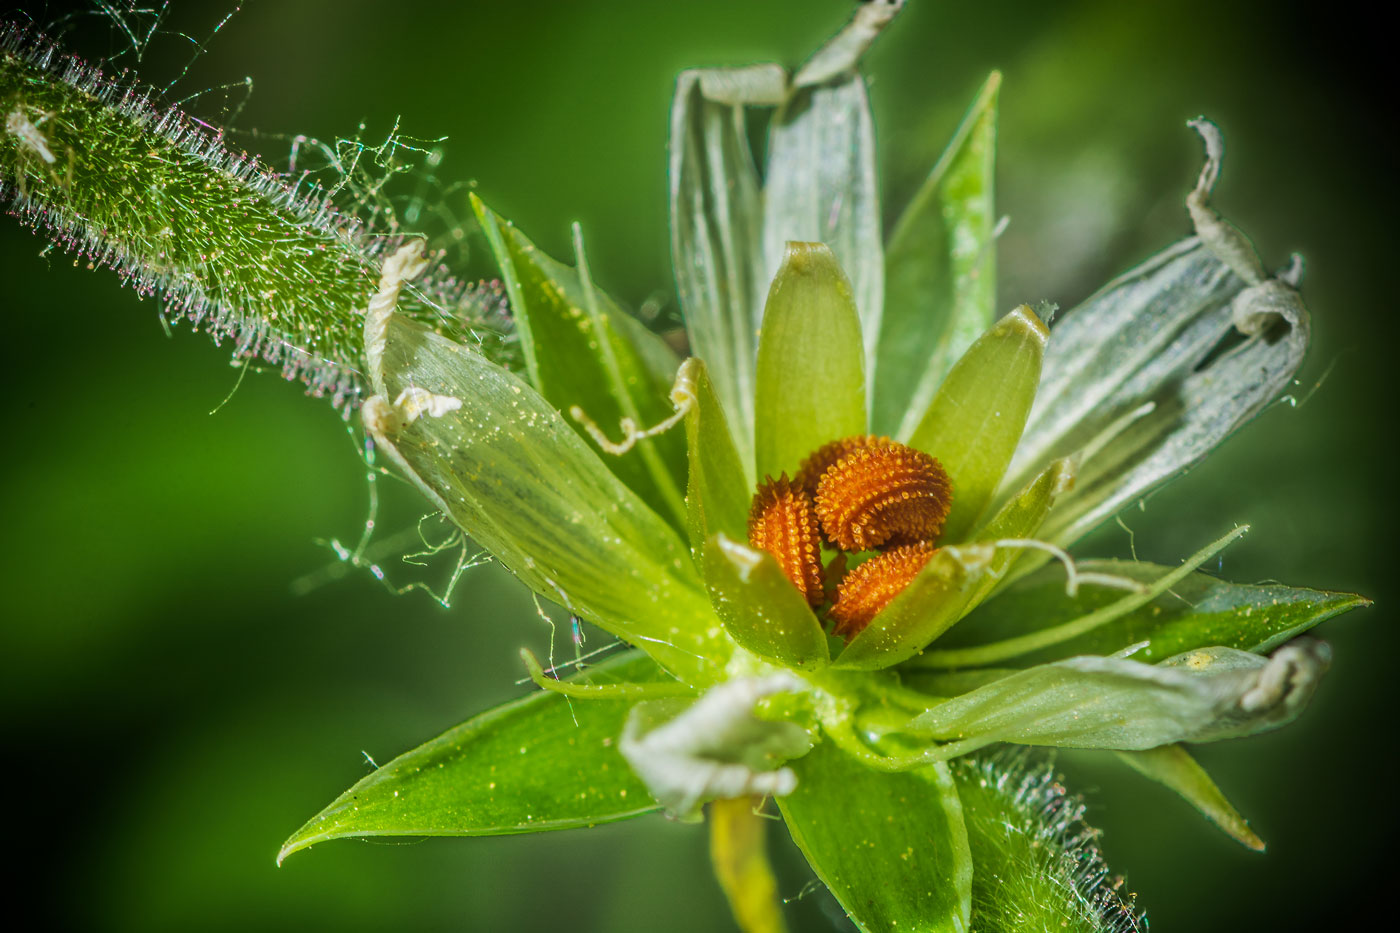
<point>858,493</point>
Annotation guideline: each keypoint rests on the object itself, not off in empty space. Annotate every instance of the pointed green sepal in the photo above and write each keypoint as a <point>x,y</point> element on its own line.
<point>760,608</point>
<point>940,272</point>
<point>811,372</point>
<point>1093,702</point>
<point>583,352</point>
<point>500,461</point>
<point>717,492</point>
<point>975,421</point>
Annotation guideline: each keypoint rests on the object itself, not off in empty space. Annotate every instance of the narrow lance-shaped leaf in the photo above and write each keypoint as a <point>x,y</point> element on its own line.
<point>760,608</point>
<point>582,351</point>
<point>891,847</point>
<point>1173,766</point>
<point>821,186</point>
<point>1089,702</point>
<point>717,491</point>
<point>1196,612</point>
<point>811,375</point>
<point>940,272</point>
<point>500,461</point>
<point>975,421</point>
<point>534,764</point>
<point>716,228</point>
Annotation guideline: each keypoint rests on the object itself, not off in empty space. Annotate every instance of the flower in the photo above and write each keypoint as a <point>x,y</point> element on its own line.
<point>809,330</point>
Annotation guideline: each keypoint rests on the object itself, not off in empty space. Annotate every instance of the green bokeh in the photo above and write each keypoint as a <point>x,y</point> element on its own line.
<point>171,711</point>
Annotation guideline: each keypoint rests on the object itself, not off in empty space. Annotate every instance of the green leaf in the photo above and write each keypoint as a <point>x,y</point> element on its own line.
<point>975,421</point>
<point>811,377</point>
<point>760,608</point>
<point>940,272</point>
<point>1150,374</point>
<point>1090,702</point>
<point>929,605</point>
<point>718,492</point>
<point>1174,767</point>
<point>1188,612</point>
<point>508,471</point>
<point>582,350</point>
<point>537,763</point>
<point>821,186</point>
<point>891,847</point>
<point>717,229</point>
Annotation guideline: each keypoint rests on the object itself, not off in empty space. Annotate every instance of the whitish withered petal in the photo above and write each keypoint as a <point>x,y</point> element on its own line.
<point>1092,702</point>
<point>1150,374</point>
<point>509,471</point>
<point>714,748</point>
<point>821,186</point>
<point>717,228</point>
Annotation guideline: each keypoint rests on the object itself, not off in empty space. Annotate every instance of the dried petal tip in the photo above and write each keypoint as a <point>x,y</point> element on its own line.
<point>783,522</point>
<point>809,474</point>
<point>891,494</point>
<point>874,584</point>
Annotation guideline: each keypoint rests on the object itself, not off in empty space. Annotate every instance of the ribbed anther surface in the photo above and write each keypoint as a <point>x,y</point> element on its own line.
<point>809,474</point>
<point>874,584</point>
<point>782,522</point>
<point>890,494</point>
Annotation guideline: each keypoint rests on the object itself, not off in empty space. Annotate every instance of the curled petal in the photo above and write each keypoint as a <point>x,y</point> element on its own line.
<point>715,748</point>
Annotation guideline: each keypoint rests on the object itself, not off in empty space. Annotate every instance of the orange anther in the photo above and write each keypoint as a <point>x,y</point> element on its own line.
<point>783,522</point>
<point>826,456</point>
<point>874,584</point>
<point>890,494</point>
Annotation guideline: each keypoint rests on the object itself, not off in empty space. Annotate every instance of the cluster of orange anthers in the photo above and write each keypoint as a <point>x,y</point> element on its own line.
<point>857,494</point>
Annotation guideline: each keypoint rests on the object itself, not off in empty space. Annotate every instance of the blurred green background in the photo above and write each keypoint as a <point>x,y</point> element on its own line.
<point>172,711</point>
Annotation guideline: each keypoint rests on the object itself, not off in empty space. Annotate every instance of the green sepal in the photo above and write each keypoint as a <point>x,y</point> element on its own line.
<point>507,470</point>
<point>821,186</point>
<point>582,350</point>
<point>760,608</point>
<point>940,272</point>
<point>929,605</point>
<point>1173,766</point>
<point>891,847</point>
<point>975,421</point>
<point>717,228</point>
<point>1092,702</point>
<point>537,763</point>
<point>811,375</point>
<point>717,491</point>
<point>1195,612</point>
